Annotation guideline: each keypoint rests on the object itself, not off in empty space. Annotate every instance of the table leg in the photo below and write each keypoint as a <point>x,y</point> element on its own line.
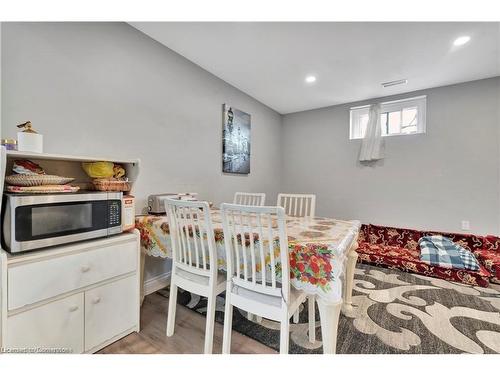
<point>311,307</point>
<point>352,257</point>
<point>329,314</point>
<point>143,259</point>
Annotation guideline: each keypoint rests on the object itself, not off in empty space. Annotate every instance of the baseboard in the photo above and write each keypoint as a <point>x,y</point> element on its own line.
<point>156,283</point>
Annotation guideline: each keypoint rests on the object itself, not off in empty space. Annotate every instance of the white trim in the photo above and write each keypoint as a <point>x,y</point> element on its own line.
<point>391,102</point>
<point>360,107</point>
<point>405,100</point>
<point>156,283</point>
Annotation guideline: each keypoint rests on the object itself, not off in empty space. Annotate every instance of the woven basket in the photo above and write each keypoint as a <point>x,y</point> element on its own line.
<point>103,184</point>
<point>36,180</point>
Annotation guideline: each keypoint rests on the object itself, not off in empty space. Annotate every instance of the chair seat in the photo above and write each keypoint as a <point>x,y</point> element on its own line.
<point>266,305</point>
<point>266,298</point>
<point>200,279</point>
<point>199,284</point>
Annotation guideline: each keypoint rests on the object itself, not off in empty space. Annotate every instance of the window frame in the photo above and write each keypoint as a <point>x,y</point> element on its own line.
<point>420,102</point>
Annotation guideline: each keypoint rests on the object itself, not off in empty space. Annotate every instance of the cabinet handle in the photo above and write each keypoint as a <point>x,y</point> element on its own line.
<point>85,269</point>
<point>96,300</point>
<point>73,308</point>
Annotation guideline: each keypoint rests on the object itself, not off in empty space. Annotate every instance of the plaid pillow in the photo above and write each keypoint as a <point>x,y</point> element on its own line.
<point>442,252</point>
<point>469,260</point>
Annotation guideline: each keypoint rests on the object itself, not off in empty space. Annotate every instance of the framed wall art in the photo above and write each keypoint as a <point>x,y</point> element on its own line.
<point>235,141</point>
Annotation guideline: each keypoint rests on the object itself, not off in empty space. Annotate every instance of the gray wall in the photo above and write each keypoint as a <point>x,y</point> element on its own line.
<point>105,88</point>
<point>434,180</point>
<point>108,89</point>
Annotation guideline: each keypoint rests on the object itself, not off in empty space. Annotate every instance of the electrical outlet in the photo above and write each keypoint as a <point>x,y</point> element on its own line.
<point>465,225</point>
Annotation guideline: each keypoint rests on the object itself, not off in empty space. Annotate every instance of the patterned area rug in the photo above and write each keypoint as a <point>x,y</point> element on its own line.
<point>394,312</point>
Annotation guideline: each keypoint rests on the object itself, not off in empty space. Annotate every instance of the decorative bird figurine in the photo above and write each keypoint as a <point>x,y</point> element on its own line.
<point>27,127</point>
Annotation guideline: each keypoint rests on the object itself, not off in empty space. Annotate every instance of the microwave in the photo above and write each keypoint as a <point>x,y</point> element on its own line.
<point>31,222</point>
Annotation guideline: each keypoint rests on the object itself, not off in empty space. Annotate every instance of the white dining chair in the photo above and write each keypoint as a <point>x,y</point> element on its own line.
<point>249,199</point>
<point>194,260</point>
<point>299,205</point>
<point>255,239</point>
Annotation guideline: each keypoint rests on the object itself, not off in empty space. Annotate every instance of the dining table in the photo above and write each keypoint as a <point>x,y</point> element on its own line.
<point>322,256</point>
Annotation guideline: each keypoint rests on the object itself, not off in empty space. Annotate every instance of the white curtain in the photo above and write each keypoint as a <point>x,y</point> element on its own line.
<point>372,147</point>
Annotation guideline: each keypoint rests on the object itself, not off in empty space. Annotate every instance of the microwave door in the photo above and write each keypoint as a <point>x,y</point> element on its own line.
<point>50,224</point>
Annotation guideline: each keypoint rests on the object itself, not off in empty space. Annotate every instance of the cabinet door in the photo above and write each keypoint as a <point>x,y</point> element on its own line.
<point>110,310</point>
<point>57,325</point>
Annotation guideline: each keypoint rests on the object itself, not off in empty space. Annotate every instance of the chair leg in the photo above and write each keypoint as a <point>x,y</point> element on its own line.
<point>296,316</point>
<point>312,318</point>
<point>172,307</point>
<point>228,326</point>
<point>209,330</point>
<point>284,334</point>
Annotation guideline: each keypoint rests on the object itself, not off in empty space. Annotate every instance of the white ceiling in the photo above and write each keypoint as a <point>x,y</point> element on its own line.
<point>269,61</point>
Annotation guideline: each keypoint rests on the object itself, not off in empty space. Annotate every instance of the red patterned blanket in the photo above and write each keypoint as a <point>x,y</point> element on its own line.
<point>398,248</point>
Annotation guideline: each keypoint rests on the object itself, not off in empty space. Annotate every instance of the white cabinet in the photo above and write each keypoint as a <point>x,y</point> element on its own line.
<point>79,297</point>
<point>52,277</point>
<point>109,311</point>
<point>57,325</point>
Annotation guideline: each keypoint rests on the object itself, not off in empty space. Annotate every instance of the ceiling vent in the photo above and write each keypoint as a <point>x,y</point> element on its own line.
<point>394,83</point>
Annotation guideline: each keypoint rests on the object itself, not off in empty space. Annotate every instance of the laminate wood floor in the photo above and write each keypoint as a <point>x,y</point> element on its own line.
<point>188,338</point>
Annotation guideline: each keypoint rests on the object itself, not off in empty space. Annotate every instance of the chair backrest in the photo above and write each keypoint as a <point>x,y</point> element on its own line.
<point>257,248</point>
<point>299,205</point>
<point>250,199</point>
<point>192,236</point>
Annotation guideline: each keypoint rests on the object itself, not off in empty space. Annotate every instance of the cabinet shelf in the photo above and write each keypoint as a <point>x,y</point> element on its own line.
<point>43,156</point>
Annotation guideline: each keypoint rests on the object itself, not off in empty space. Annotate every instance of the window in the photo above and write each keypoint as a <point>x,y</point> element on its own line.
<point>398,117</point>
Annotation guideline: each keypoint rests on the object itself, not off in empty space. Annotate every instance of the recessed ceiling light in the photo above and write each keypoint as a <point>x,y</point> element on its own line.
<point>310,79</point>
<point>394,83</point>
<point>460,41</point>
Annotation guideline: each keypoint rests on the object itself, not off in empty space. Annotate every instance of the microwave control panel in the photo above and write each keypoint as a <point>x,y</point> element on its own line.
<point>115,213</point>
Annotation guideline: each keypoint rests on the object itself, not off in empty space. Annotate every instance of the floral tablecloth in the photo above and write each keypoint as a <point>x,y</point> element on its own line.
<point>318,248</point>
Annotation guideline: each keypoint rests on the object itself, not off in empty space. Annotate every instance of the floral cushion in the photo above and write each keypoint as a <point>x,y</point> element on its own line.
<point>491,261</point>
<point>408,260</point>
<point>487,246</point>
<point>408,238</point>
<point>363,233</point>
<point>492,243</point>
<point>398,248</point>
<point>389,251</point>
